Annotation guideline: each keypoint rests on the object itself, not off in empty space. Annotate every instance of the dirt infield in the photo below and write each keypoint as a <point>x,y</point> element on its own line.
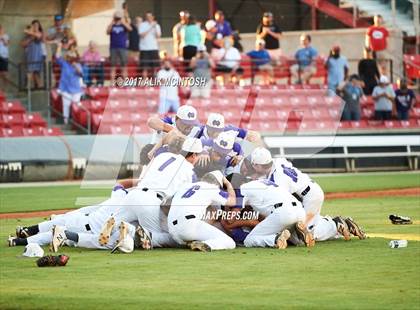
<point>415,191</point>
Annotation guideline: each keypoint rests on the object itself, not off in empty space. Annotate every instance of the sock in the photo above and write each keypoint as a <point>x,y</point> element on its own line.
<point>21,241</point>
<point>72,236</point>
<point>32,230</point>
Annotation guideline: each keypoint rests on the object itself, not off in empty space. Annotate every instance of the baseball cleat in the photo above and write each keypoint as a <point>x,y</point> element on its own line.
<point>142,239</point>
<point>11,241</point>
<point>355,229</point>
<point>21,232</point>
<point>200,246</point>
<point>123,230</point>
<point>304,235</point>
<point>58,238</point>
<point>106,231</point>
<point>342,227</point>
<point>281,239</point>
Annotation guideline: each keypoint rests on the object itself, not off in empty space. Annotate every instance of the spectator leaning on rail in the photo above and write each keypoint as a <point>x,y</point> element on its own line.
<point>306,61</point>
<point>4,55</point>
<point>56,33</point>
<point>149,32</point>
<point>404,99</point>
<point>271,34</point>
<point>118,29</point>
<point>201,65</point>
<point>69,86</point>
<point>376,39</point>
<point>351,92</point>
<point>368,71</point>
<point>261,60</point>
<point>34,53</point>
<point>222,25</point>
<point>168,94</point>
<point>337,67</point>
<point>384,96</point>
<point>93,68</point>
<point>176,33</point>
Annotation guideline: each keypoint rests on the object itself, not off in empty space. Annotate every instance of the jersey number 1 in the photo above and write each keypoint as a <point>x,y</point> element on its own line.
<point>167,163</point>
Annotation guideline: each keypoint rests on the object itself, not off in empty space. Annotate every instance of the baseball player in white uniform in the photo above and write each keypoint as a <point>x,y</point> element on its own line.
<point>166,173</point>
<point>188,211</point>
<point>281,172</point>
<point>281,212</point>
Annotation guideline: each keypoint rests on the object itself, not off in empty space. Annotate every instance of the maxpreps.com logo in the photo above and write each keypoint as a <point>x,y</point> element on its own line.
<point>230,215</point>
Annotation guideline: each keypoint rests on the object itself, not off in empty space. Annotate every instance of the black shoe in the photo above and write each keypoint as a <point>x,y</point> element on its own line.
<point>22,232</point>
<point>342,227</point>
<point>142,239</point>
<point>355,229</point>
<point>400,220</point>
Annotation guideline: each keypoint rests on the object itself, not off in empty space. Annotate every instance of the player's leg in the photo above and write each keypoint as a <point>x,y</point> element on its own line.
<point>312,203</point>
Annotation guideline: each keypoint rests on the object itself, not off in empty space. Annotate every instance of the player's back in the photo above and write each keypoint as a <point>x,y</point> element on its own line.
<point>166,173</point>
<point>287,176</point>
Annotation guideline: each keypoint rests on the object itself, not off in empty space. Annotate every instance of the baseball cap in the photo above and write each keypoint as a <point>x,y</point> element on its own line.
<point>58,17</point>
<point>336,48</point>
<point>218,175</point>
<point>268,14</point>
<point>216,121</point>
<point>261,156</point>
<point>118,14</point>
<point>354,77</point>
<point>192,145</point>
<point>187,114</point>
<point>202,48</point>
<point>126,245</point>
<point>223,144</point>
<point>210,24</point>
<point>184,13</point>
<point>383,79</point>
<point>33,250</point>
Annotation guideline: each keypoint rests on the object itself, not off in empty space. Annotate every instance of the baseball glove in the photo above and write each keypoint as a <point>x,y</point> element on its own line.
<point>52,261</point>
<point>400,220</point>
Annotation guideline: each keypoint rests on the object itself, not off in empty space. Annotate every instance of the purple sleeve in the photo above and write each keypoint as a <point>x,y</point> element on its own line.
<point>161,150</point>
<point>167,120</point>
<point>207,142</point>
<point>228,29</point>
<point>237,148</point>
<point>241,132</point>
<point>224,194</point>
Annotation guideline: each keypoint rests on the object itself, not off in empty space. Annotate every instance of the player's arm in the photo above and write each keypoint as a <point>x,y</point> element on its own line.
<point>128,183</point>
<point>156,123</point>
<point>231,200</point>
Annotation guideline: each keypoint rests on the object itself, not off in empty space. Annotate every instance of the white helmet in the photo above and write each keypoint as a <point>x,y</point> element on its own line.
<point>192,145</point>
<point>261,156</point>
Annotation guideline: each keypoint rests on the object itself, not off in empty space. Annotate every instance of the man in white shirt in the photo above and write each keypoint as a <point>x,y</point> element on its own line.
<point>228,59</point>
<point>186,218</point>
<point>169,80</point>
<point>149,32</point>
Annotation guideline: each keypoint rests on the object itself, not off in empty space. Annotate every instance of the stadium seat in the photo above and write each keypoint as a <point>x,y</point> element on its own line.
<point>34,120</point>
<point>54,131</point>
<point>12,120</point>
<point>33,132</point>
<point>14,131</point>
<point>98,92</point>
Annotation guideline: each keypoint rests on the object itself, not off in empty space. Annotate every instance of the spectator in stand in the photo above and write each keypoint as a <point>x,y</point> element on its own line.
<point>4,55</point>
<point>176,33</point>
<point>405,99</point>
<point>228,60</point>
<point>213,40</point>
<point>69,86</point>
<point>337,67</point>
<point>384,96</point>
<point>201,66</point>
<point>376,39</point>
<point>223,26</point>
<point>93,68</point>
<point>55,33</point>
<point>271,34</point>
<point>191,33</point>
<point>68,41</point>
<point>261,61</point>
<point>368,71</point>
<point>351,92</point>
<point>117,30</point>
<point>306,61</point>
<point>149,32</point>
<point>134,38</point>
<point>34,53</point>
<point>169,79</point>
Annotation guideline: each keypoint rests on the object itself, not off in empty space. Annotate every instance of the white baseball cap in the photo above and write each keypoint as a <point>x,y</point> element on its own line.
<point>192,145</point>
<point>216,121</point>
<point>33,250</point>
<point>202,48</point>
<point>223,144</point>
<point>383,79</point>
<point>261,156</point>
<point>210,24</point>
<point>218,175</point>
<point>187,114</point>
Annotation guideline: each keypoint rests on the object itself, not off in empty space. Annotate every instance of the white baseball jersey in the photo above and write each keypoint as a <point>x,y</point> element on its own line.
<point>263,194</point>
<point>288,177</point>
<point>194,198</point>
<point>167,173</point>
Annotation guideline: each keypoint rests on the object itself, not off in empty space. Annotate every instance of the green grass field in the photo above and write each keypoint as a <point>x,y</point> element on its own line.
<point>357,274</point>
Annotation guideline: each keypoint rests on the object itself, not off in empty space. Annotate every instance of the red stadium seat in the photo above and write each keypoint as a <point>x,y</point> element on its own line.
<point>14,131</point>
<point>98,106</point>
<point>33,132</point>
<point>34,120</point>
<point>98,92</point>
<point>13,120</point>
<point>54,131</point>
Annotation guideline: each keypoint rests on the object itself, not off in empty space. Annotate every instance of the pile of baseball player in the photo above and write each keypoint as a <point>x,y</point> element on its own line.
<point>197,190</point>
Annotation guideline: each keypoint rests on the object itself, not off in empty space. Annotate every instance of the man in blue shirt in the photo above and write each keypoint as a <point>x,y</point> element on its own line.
<point>352,93</point>
<point>404,99</point>
<point>337,67</point>
<point>223,26</point>
<point>261,60</point>
<point>305,57</point>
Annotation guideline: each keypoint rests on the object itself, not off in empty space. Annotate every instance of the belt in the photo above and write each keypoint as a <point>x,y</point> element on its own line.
<point>305,191</point>
<point>188,217</point>
<point>280,204</point>
<point>160,196</point>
